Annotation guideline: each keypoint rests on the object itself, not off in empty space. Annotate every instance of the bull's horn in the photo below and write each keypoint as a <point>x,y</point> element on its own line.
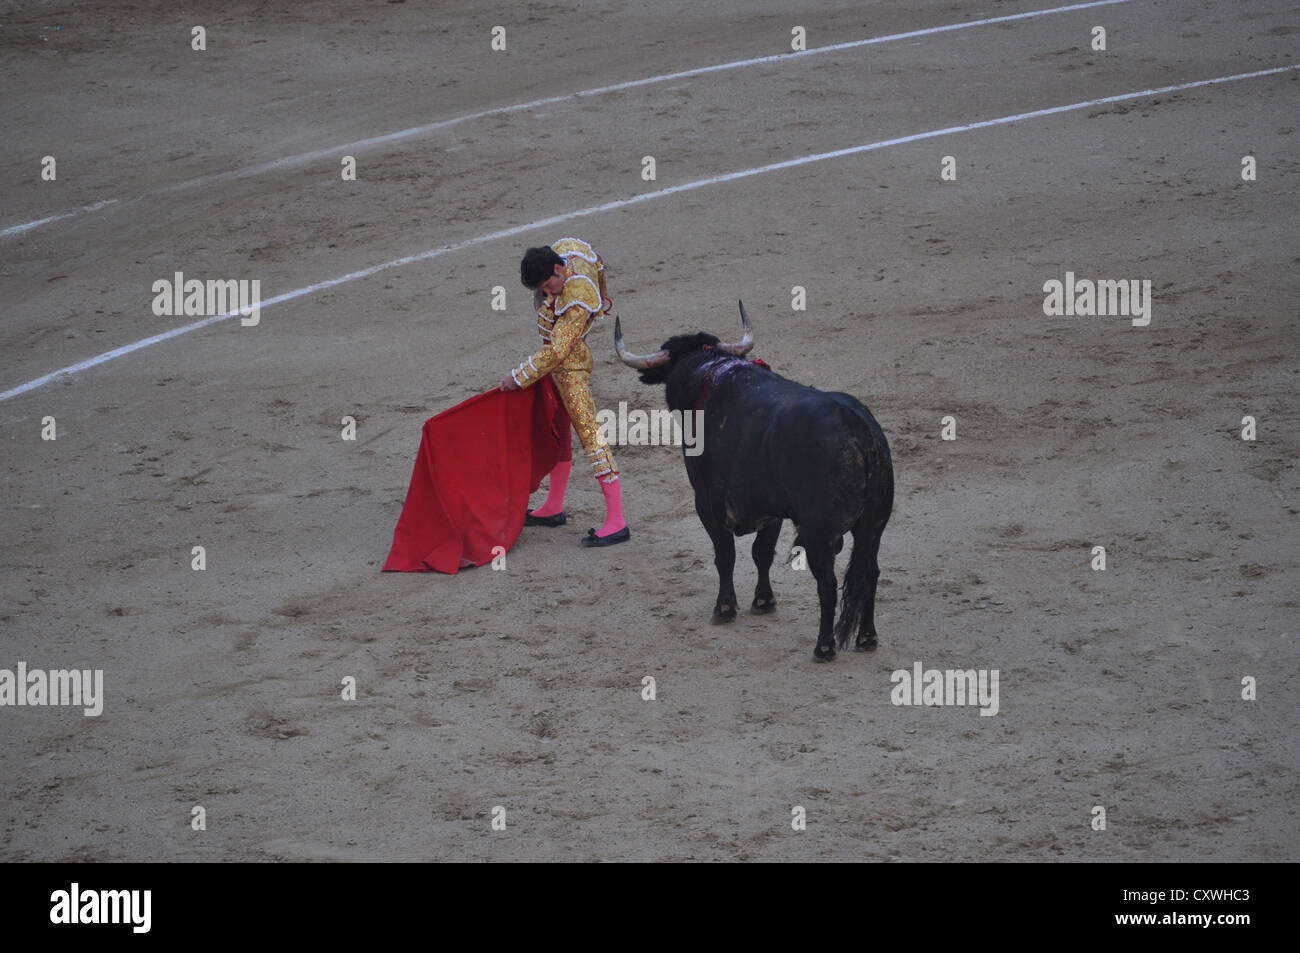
<point>635,360</point>
<point>746,343</point>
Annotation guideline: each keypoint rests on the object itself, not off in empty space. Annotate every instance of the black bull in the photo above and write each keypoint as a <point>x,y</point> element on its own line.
<point>775,450</point>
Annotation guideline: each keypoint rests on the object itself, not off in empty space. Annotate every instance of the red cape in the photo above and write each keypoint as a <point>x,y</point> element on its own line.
<point>476,466</point>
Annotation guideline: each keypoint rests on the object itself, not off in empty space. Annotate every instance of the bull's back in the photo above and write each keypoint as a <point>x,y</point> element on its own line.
<point>877,462</point>
<point>806,454</point>
<point>837,447</point>
<point>841,464</point>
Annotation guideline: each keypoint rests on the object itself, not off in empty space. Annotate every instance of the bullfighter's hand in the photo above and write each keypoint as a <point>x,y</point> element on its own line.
<point>509,383</point>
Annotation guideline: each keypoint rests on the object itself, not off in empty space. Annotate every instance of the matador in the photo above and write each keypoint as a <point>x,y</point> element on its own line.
<point>568,281</point>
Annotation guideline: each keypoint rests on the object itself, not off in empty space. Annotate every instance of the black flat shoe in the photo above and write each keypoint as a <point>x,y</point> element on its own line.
<point>558,519</point>
<point>620,536</point>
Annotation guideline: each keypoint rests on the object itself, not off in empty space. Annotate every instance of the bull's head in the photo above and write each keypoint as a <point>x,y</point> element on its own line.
<point>657,368</point>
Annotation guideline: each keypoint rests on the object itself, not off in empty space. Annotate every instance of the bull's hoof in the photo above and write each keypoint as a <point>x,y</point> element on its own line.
<point>723,615</point>
<point>762,606</point>
<point>824,654</point>
<point>866,645</point>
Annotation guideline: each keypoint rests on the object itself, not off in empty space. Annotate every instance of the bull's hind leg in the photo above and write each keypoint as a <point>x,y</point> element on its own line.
<point>870,544</point>
<point>821,560</point>
<point>724,557</point>
<point>764,552</point>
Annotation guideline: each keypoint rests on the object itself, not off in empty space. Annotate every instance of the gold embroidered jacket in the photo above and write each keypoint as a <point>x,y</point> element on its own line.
<point>564,320</point>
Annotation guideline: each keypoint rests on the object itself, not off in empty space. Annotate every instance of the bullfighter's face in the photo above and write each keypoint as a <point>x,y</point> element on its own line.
<point>554,284</point>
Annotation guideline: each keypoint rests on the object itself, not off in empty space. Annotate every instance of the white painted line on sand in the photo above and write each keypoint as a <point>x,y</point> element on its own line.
<point>302,158</point>
<point>28,226</point>
<point>624,203</point>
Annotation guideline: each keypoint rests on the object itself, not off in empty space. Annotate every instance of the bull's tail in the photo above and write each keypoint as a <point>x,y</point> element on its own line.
<point>853,600</point>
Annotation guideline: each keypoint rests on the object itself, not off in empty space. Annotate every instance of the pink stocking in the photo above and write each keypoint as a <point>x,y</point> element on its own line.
<point>559,482</point>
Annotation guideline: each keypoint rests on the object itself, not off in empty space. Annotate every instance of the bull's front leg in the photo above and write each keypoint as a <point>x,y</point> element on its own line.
<point>764,552</point>
<point>724,557</point>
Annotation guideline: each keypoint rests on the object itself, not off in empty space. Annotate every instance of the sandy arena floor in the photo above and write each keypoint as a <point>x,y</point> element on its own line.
<point>522,688</point>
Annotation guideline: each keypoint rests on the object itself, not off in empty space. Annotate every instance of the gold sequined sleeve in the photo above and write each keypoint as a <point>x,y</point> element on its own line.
<point>564,336</point>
